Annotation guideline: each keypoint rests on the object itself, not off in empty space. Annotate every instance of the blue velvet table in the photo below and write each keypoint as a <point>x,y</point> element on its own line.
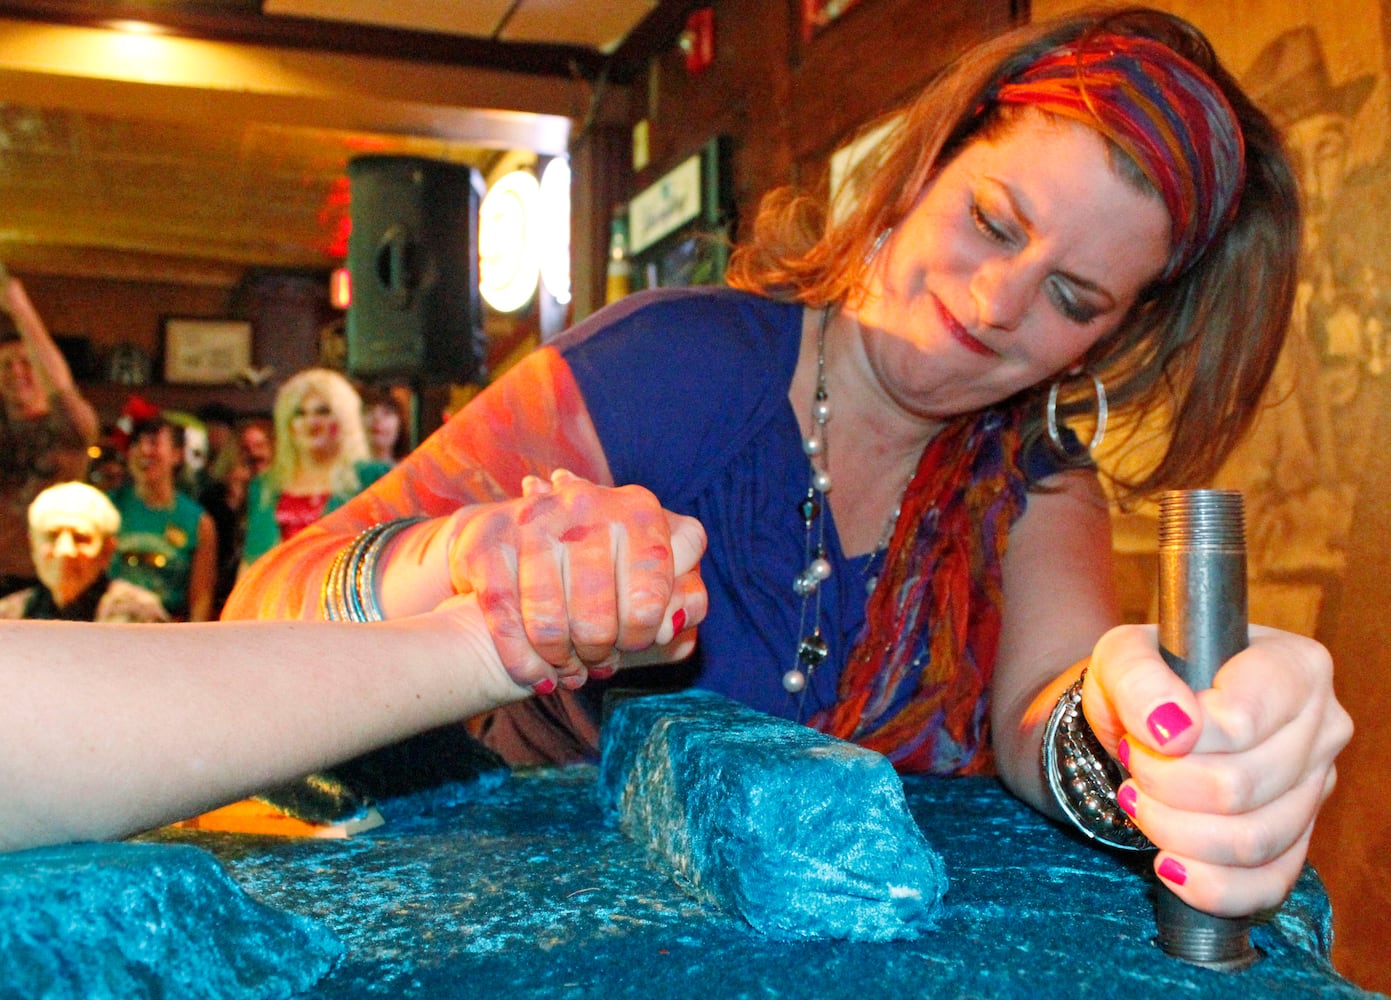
<point>518,886</point>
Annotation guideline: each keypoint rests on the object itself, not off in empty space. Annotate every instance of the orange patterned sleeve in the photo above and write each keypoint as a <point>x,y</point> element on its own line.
<point>531,421</point>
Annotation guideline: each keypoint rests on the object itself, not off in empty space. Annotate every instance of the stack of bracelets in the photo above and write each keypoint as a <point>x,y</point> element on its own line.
<point>1084,778</point>
<point>350,588</point>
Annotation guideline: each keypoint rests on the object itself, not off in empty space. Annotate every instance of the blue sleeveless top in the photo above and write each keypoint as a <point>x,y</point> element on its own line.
<point>688,390</point>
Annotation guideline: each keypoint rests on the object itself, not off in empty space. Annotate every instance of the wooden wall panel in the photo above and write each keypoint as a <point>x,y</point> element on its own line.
<point>788,103</point>
<point>875,59</point>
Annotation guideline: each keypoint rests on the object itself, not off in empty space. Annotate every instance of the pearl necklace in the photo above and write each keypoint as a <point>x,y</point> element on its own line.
<point>812,650</point>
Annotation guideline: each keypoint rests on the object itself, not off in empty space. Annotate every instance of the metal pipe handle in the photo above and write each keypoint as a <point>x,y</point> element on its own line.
<point>1202,624</point>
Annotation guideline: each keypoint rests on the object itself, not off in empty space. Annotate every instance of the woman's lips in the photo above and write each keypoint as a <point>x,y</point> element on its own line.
<point>959,334</point>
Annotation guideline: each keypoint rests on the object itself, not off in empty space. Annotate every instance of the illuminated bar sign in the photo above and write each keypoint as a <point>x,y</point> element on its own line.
<point>665,206</point>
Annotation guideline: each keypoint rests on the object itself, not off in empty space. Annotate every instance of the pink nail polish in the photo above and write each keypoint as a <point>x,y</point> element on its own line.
<point>1173,871</point>
<point>1167,721</point>
<point>1123,752</point>
<point>678,622</point>
<point>1125,798</point>
<point>600,673</point>
<point>544,687</point>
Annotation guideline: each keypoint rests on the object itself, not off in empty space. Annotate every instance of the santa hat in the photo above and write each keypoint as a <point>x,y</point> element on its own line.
<point>137,414</point>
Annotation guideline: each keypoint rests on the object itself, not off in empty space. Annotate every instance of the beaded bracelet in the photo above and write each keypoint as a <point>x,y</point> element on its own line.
<point>349,593</point>
<point>1084,778</point>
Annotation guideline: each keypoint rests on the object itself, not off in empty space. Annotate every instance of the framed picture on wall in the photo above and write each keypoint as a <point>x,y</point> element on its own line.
<point>206,351</point>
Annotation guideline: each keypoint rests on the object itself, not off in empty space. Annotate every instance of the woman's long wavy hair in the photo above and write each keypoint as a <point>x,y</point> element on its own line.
<point>1194,354</point>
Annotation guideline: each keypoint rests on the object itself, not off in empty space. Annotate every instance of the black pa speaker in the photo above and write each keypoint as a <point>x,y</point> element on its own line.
<point>413,257</point>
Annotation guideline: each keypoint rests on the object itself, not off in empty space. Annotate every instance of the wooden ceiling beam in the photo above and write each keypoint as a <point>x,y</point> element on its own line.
<point>104,72</point>
<point>244,23</point>
<point>114,264</point>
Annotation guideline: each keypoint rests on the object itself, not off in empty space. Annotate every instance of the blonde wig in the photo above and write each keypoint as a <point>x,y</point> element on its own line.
<point>346,405</point>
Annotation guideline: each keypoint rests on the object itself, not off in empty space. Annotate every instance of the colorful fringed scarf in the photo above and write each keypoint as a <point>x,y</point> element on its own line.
<point>933,624</point>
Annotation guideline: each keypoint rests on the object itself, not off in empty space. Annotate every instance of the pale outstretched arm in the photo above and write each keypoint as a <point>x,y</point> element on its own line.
<point>113,729</point>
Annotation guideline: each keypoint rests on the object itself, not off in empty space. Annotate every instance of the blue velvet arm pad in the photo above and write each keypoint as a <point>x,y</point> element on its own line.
<point>97,921</point>
<point>801,834</point>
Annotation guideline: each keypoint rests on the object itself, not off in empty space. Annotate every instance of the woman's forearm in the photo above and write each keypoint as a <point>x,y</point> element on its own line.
<point>1018,743</point>
<point>48,360</point>
<point>114,729</point>
<point>1058,601</point>
<point>288,581</point>
<point>79,411</point>
<point>43,350</point>
<point>532,421</point>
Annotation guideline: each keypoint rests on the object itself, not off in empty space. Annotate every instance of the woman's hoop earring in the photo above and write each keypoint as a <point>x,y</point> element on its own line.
<point>1056,437</point>
<point>879,242</point>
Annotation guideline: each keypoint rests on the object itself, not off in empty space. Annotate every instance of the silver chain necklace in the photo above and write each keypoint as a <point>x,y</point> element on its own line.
<point>812,649</point>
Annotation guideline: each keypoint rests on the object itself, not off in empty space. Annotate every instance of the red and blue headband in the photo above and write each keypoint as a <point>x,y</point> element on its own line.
<point>1165,113</point>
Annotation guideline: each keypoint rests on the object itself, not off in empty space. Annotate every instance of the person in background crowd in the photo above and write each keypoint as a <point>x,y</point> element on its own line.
<point>46,425</point>
<point>386,424</point>
<point>194,453</point>
<point>219,420</point>
<point>224,498</point>
<point>206,432</point>
<point>907,549</point>
<point>72,536</point>
<point>321,459</point>
<point>257,439</point>
<point>106,464</point>
<point>167,542</point>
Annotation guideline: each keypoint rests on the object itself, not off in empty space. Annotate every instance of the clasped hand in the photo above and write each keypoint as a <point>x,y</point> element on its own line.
<point>1226,782</point>
<point>571,575</point>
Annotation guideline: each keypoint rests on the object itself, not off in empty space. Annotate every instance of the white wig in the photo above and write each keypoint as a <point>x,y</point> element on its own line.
<point>61,504</point>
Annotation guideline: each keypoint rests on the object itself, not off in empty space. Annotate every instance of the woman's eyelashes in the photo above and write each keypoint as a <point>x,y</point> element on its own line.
<point>1067,304</point>
<point>992,230</point>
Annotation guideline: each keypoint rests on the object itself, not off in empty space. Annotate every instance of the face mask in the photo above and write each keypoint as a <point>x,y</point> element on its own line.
<point>70,540</point>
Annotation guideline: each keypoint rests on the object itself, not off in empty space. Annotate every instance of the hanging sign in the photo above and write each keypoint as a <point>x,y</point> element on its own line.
<point>665,206</point>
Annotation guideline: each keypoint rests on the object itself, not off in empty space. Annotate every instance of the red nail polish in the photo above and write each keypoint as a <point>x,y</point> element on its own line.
<point>1123,752</point>
<point>1167,721</point>
<point>600,673</point>
<point>544,687</point>
<point>1173,871</point>
<point>678,622</point>
<point>1125,798</point>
